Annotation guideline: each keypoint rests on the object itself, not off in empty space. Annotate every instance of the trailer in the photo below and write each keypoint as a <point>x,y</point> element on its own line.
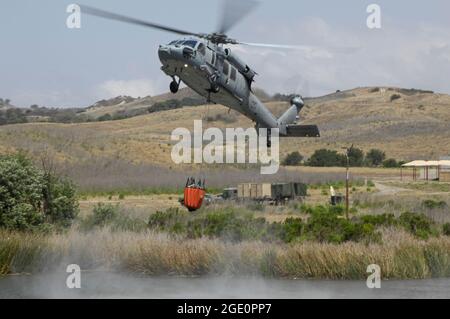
<point>275,192</point>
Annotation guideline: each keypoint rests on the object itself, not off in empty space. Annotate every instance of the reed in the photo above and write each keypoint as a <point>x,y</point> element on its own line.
<point>400,255</point>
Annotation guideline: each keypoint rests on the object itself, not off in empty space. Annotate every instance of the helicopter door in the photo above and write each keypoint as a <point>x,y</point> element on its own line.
<point>210,56</point>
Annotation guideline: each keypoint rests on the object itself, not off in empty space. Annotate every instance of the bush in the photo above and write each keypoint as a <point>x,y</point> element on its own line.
<point>325,224</point>
<point>12,116</point>
<point>60,201</point>
<point>105,117</point>
<point>30,197</point>
<point>104,213</point>
<point>292,229</point>
<point>328,226</point>
<point>355,157</point>
<point>395,97</point>
<point>327,158</point>
<point>390,163</point>
<point>375,157</point>
<point>417,224</point>
<point>107,215</point>
<point>446,229</point>
<point>380,220</point>
<point>293,159</point>
<point>432,204</point>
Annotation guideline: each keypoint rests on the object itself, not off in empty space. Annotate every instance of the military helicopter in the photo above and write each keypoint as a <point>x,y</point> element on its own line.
<point>206,64</point>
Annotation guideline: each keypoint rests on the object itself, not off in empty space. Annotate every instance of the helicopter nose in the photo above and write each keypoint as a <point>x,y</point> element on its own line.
<point>168,52</point>
<point>164,52</point>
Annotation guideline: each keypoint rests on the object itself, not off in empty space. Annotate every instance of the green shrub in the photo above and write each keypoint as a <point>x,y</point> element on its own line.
<point>375,157</point>
<point>355,157</point>
<point>417,224</point>
<point>292,229</point>
<point>60,201</point>
<point>446,229</point>
<point>111,215</point>
<point>326,158</point>
<point>370,184</point>
<point>104,213</point>
<point>432,204</point>
<point>395,97</point>
<point>293,159</point>
<point>30,197</point>
<point>380,220</point>
<point>390,163</point>
<point>172,220</point>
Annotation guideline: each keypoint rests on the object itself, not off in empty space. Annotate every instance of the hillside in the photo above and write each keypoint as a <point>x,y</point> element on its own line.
<point>131,106</point>
<point>415,125</point>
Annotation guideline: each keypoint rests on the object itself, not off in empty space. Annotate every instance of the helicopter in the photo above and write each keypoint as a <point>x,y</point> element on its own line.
<point>206,64</point>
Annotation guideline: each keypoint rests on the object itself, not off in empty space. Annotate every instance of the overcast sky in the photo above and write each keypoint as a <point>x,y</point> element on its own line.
<point>43,62</point>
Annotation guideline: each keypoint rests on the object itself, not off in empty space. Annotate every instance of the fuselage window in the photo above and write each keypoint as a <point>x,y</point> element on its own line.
<point>233,74</point>
<point>213,57</point>
<point>190,43</point>
<point>226,68</point>
<point>202,49</point>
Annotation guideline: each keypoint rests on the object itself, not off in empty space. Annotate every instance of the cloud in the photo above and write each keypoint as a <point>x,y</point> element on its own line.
<point>134,88</point>
<point>341,57</point>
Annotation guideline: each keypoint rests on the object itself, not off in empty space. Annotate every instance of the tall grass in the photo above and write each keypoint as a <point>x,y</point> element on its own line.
<point>400,256</point>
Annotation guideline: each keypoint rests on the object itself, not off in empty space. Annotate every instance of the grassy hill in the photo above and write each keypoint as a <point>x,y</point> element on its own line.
<point>411,125</point>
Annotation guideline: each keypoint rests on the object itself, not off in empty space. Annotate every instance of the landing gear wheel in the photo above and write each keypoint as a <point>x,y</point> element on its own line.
<point>174,86</point>
<point>215,88</point>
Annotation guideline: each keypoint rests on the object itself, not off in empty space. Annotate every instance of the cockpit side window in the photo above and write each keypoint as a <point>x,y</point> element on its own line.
<point>190,43</point>
<point>202,49</point>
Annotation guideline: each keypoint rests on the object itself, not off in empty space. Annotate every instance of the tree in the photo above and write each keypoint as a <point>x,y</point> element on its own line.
<point>326,158</point>
<point>293,159</point>
<point>29,198</point>
<point>355,157</point>
<point>375,157</point>
<point>391,162</point>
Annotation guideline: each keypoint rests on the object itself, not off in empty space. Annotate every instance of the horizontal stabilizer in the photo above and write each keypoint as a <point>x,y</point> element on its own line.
<point>302,131</point>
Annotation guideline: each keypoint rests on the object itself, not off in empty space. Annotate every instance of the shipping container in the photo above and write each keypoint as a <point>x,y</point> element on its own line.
<point>276,191</point>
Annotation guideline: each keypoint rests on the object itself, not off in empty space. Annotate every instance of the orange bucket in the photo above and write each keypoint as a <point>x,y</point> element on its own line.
<point>193,198</point>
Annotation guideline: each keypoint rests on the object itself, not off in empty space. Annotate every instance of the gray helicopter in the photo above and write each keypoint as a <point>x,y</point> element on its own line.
<point>207,66</point>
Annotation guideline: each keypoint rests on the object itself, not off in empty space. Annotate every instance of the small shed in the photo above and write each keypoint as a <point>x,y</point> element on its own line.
<point>428,170</point>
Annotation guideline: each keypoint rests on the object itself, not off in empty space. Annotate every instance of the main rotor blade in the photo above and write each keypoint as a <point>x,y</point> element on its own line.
<point>278,46</point>
<point>233,11</point>
<point>118,17</point>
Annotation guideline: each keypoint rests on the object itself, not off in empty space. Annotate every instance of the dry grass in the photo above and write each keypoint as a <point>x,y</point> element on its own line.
<point>400,256</point>
<point>368,203</point>
<point>403,129</point>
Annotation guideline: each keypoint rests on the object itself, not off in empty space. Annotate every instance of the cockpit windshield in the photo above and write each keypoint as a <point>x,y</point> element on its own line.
<point>190,43</point>
<point>179,42</point>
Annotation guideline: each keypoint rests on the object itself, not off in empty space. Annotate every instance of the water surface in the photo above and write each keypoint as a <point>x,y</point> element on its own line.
<point>114,285</point>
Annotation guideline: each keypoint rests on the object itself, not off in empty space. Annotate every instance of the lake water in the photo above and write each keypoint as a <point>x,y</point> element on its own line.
<point>112,285</point>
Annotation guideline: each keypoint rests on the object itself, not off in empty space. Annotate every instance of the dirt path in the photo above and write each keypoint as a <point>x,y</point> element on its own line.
<point>389,190</point>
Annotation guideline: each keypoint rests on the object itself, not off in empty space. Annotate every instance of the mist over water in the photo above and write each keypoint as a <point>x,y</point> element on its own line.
<point>115,285</point>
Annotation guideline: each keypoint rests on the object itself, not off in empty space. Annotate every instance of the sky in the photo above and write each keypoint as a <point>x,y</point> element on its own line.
<point>43,62</point>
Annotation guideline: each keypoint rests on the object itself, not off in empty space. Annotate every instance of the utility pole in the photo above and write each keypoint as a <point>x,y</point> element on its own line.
<point>347,181</point>
<point>346,188</point>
